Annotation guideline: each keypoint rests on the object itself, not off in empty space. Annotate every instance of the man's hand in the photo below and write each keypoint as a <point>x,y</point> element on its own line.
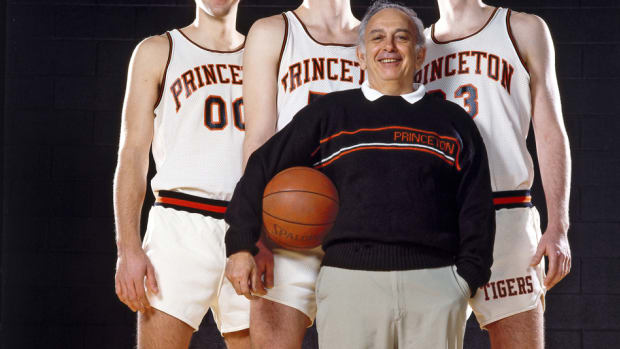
<point>131,269</point>
<point>554,244</point>
<point>242,273</point>
<point>264,266</point>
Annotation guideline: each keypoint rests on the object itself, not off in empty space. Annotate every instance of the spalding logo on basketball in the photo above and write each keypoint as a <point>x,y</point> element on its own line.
<point>300,205</point>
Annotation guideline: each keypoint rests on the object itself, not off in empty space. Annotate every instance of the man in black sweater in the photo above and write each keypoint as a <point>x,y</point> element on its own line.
<point>414,235</point>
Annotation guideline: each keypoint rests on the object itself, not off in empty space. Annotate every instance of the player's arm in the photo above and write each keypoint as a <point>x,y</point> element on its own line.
<point>260,81</point>
<point>146,69</point>
<point>536,46</point>
<point>260,88</point>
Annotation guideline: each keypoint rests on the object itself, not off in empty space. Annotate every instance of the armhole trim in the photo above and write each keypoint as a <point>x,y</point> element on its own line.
<point>284,40</point>
<point>162,85</point>
<point>514,42</point>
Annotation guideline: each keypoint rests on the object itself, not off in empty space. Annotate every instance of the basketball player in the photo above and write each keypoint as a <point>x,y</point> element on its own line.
<point>183,99</point>
<point>499,66</point>
<point>289,60</point>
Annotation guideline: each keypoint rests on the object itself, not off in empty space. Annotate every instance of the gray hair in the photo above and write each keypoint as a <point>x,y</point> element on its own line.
<point>385,4</point>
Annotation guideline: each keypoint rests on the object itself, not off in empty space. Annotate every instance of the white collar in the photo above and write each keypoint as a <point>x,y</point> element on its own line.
<point>371,94</point>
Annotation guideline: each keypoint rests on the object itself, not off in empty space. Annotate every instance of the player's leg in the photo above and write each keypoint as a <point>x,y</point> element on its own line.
<point>280,318</point>
<point>158,330</point>
<point>523,330</point>
<point>275,325</point>
<point>237,339</point>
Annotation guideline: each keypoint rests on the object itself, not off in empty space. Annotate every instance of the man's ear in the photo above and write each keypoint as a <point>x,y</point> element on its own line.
<point>361,57</point>
<point>420,54</point>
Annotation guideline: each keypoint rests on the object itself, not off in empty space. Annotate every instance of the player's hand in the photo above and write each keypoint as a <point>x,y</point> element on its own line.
<point>554,244</point>
<point>132,267</point>
<point>242,273</point>
<point>264,266</point>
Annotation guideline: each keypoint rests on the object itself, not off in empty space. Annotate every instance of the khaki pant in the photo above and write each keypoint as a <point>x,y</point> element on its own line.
<point>423,309</point>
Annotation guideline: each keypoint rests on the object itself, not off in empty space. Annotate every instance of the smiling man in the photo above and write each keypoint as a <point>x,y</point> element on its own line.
<point>416,224</point>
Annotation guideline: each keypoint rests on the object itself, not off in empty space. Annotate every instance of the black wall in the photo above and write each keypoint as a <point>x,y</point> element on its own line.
<point>64,68</point>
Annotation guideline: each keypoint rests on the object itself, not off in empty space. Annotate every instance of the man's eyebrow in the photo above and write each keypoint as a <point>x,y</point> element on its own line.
<point>403,30</point>
<point>396,31</point>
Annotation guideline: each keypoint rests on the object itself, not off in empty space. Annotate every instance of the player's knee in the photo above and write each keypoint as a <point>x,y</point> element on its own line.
<point>274,325</point>
<point>157,329</point>
<point>237,339</point>
<point>517,331</point>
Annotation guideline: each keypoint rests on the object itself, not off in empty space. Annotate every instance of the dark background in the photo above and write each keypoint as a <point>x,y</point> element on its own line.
<point>64,67</point>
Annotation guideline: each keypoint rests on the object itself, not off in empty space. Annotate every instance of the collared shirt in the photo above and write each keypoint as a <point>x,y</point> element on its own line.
<point>371,94</point>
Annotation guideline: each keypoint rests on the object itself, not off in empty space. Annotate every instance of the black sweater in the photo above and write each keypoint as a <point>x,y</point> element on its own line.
<point>413,182</point>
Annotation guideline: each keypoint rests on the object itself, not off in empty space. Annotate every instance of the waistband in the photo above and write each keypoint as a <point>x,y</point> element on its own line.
<point>512,199</point>
<point>191,203</point>
<point>378,256</point>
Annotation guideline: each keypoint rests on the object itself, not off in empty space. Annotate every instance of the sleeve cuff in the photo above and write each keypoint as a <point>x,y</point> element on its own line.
<point>474,276</point>
<point>237,241</point>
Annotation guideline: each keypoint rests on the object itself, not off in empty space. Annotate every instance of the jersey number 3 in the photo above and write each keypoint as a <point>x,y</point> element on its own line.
<point>216,113</point>
<point>469,94</point>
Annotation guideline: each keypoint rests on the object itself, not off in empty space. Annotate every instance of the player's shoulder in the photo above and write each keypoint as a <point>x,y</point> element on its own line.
<point>265,38</point>
<point>526,22</point>
<point>532,36</point>
<point>153,48</point>
<point>150,56</point>
<point>271,25</point>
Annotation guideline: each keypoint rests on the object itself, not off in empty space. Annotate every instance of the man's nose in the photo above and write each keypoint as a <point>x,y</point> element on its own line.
<point>389,45</point>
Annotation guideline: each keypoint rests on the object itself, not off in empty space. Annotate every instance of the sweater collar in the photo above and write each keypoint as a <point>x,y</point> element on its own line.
<point>412,97</point>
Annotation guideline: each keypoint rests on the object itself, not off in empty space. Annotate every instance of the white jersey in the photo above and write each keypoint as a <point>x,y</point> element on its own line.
<point>485,75</point>
<point>309,68</point>
<point>199,123</point>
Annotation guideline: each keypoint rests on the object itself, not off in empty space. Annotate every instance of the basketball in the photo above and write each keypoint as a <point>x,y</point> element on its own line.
<point>300,205</point>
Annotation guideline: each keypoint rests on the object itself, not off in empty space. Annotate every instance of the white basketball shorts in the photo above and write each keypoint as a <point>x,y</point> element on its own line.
<point>515,286</point>
<point>294,278</point>
<point>188,254</point>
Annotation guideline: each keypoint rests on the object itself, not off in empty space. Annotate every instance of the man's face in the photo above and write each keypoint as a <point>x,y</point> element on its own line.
<point>216,8</point>
<point>390,54</point>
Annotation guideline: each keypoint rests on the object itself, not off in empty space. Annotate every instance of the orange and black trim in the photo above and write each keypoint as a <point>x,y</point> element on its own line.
<point>303,25</point>
<point>190,203</point>
<point>435,40</point>
<point>162,84</point>
<point>514,42</point>
<point>283,40</point>
<point>237,49</point>
<point>512,199</point>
